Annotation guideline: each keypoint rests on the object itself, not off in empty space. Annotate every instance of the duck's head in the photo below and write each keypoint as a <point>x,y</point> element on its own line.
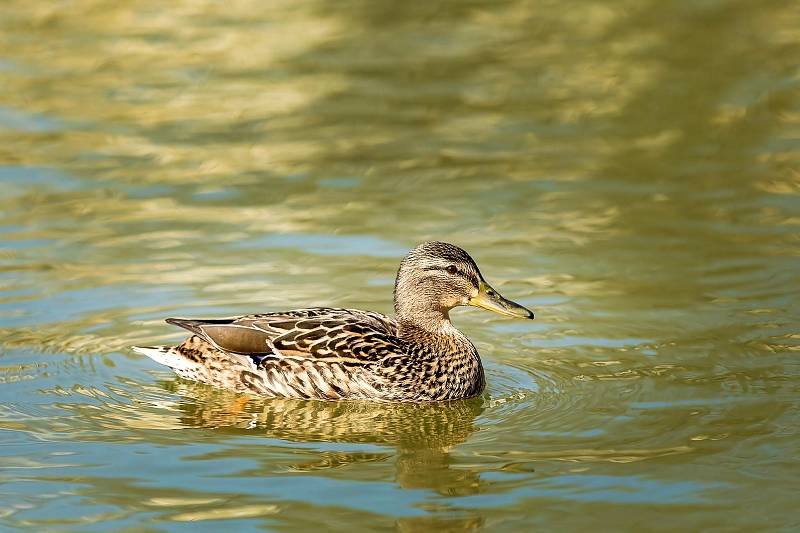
<point>436,276</point>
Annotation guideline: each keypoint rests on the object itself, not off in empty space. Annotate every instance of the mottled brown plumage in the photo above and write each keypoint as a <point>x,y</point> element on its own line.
<point>336,354</point>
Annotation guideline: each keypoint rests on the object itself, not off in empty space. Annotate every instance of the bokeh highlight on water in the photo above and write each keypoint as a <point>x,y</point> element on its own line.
<point>629,170</point>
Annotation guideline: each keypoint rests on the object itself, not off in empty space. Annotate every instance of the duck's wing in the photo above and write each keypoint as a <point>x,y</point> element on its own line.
<point>346,336</point>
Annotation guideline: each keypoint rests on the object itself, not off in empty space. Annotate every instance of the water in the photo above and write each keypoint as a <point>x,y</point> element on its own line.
<point>629,170</point>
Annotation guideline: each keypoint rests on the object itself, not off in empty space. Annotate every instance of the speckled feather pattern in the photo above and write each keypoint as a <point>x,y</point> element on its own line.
<point>330,353</point>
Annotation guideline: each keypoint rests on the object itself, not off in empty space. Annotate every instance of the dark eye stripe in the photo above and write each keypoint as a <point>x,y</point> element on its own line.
<point>447,269</point>
<point>440,268</point>
<point>475,280</point>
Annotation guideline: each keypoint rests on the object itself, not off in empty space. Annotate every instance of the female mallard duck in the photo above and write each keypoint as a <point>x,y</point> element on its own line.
<point>346,353</point>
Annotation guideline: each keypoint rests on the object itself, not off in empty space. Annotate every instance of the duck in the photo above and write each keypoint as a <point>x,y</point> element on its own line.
<point>327,353</point>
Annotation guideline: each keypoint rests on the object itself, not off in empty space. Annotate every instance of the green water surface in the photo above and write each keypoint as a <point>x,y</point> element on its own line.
<point>630,170</point>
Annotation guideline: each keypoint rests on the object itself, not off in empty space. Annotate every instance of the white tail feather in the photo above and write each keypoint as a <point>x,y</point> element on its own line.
<point>168,356</point>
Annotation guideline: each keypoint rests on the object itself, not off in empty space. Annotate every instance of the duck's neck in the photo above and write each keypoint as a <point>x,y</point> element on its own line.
<point>448,365</point>
<point>431,321</point>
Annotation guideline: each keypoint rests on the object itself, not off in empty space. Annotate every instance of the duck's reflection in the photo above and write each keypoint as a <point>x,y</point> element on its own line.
<point>421,433</point>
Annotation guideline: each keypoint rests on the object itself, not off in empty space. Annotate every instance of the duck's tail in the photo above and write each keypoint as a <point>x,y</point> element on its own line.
<point>169,356</point>
<point>198,360</point>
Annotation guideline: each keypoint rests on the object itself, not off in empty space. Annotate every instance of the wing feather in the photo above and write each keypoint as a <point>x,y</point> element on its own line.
<point>346,336</point>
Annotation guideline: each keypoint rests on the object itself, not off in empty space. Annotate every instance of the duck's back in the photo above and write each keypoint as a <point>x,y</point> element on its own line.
<point>305,353</point>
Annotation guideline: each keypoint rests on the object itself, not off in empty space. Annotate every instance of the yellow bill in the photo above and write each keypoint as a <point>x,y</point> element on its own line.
<point>489,299</point>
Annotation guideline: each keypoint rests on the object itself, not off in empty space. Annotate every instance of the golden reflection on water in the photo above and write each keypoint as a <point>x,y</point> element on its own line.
<point>433,425</point>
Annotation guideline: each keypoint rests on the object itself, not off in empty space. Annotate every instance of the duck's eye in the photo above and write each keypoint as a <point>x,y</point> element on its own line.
<point>452,269</point>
